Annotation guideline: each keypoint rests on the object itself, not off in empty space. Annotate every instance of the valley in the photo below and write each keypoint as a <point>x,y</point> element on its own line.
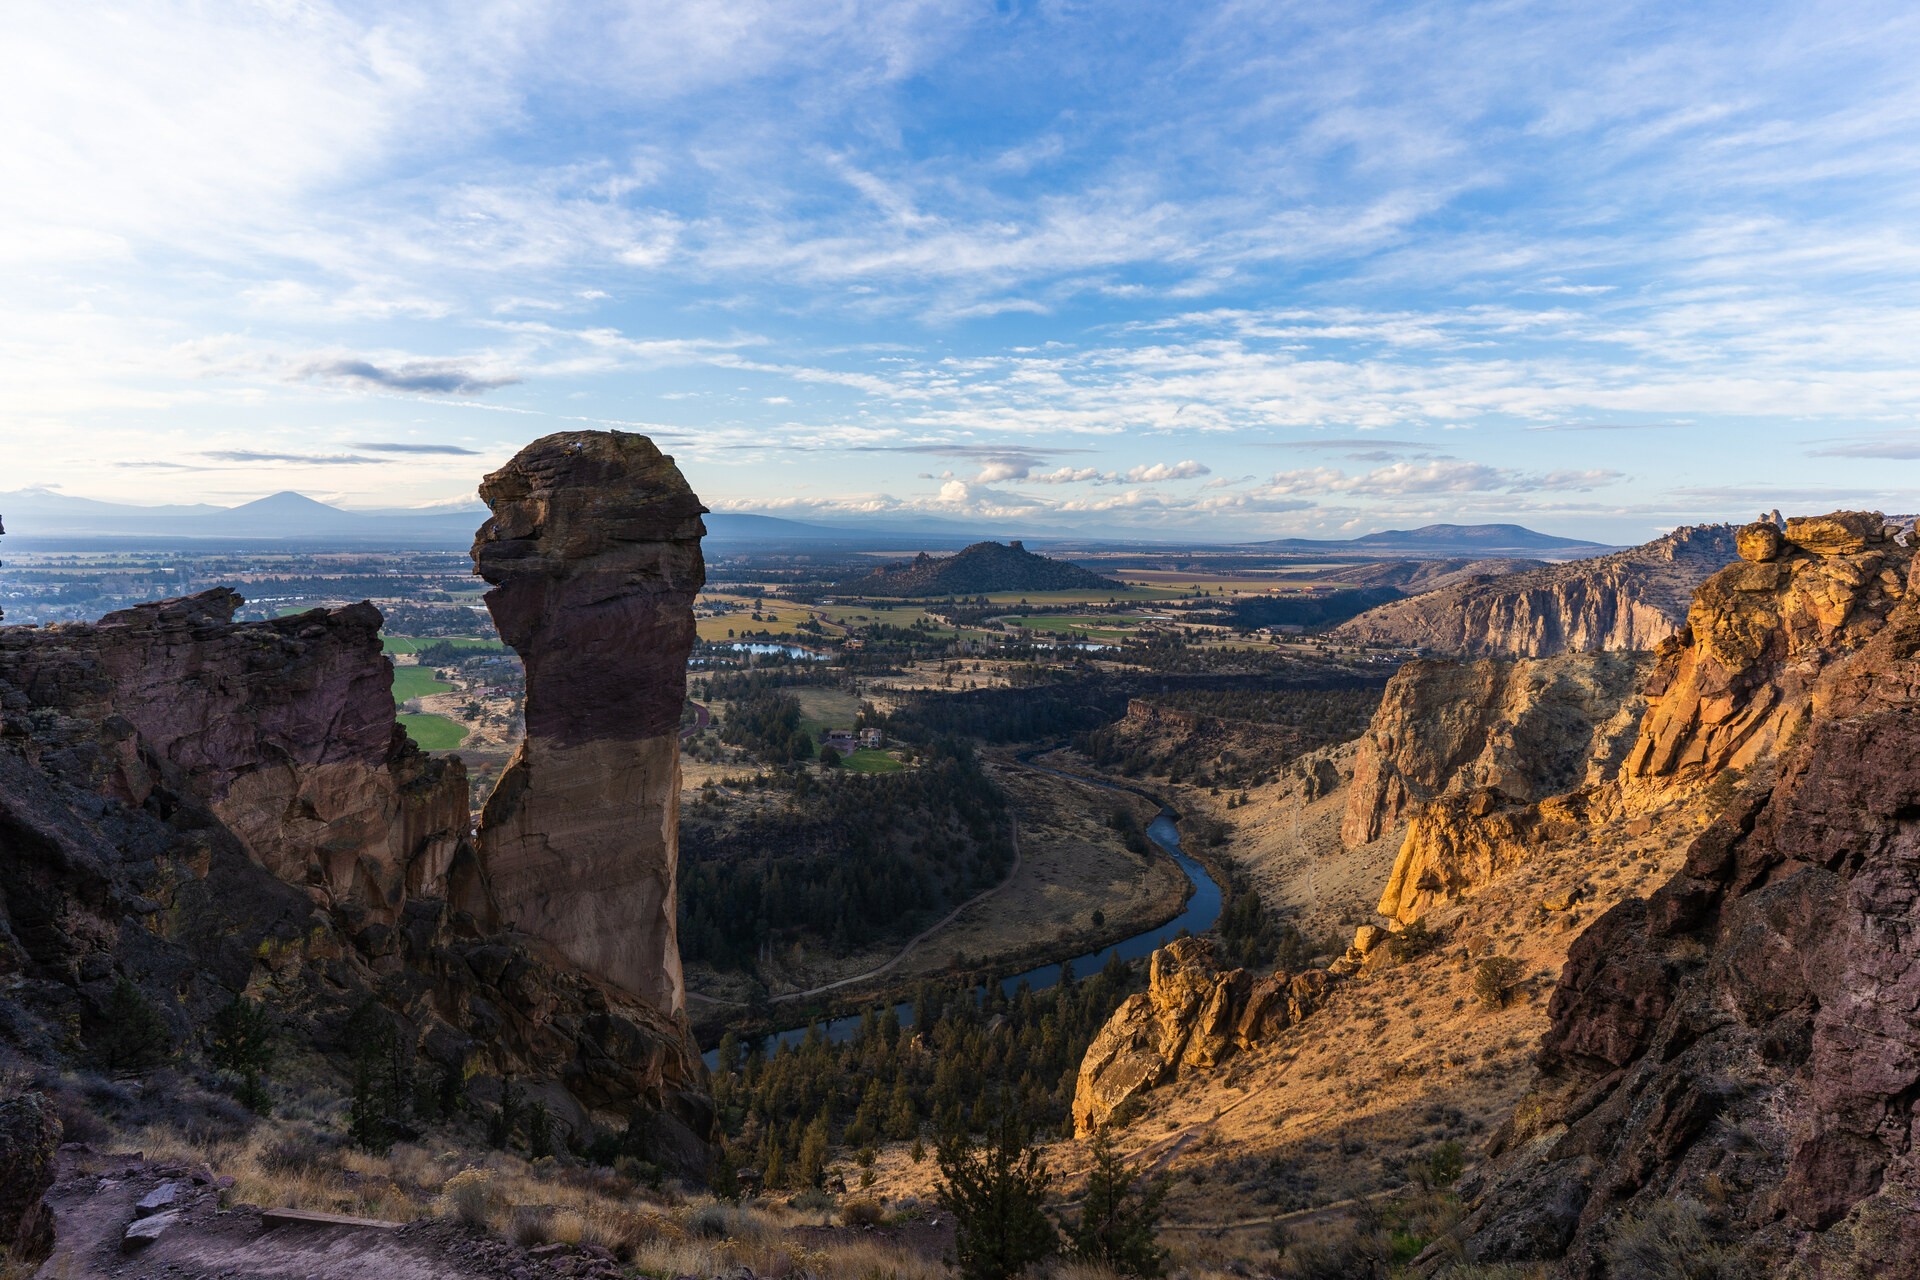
<point>877,827</point>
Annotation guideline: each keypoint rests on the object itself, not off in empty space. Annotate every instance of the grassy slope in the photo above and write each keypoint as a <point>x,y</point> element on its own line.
<point>433,733</point>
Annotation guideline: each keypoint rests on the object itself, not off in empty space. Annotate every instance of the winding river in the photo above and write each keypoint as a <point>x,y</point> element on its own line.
<point>1201,911</point>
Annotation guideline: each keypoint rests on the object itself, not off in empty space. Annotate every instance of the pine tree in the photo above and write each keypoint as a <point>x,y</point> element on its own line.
<point>1119,1214</point>
<point>134,1036</point>
<point>995,1194</point>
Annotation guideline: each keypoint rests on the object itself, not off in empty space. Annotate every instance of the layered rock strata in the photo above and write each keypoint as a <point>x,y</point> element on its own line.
<point>1517,729</point>
<point>284,729</point>
<point>593,551</point>
<point>1743,1047</point>
<point>1194,1015</point>
<point>1628,600</point>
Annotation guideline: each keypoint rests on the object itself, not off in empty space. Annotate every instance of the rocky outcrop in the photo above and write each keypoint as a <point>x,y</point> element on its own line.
<point>1745,1043</point>
<point>1630,599</point>
<point>285,729</point>
<point>1193,1016</point>
<point>593,550</point>
<point>1740,680</point>
<point>1515,729</point>
<point>29,1136</point>
<point>204,808</point>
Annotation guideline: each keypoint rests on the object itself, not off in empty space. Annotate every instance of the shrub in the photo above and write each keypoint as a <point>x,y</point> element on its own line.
<point>1411,942</point>
<point>1670,1241</point>
<point>468,1196</point>
<point>1493,978</point>
<point>532,1226</point>
<point>862,1213</point>
<point>1444,1164</point>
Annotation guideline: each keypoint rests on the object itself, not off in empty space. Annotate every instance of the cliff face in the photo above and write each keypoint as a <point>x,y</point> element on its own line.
<point>205,808</point>
<point>285,729</point>
<point>1743,1047</point>
<point>1628,600</point>
<point>593,551</point>
<point>1518,730</point>
<point>1193,1016</point>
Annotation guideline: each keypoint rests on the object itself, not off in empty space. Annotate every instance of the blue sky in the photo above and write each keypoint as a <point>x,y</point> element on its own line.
<point>1201,270</point>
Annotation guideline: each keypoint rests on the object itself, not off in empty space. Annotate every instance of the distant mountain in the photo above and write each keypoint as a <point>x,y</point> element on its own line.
<point>1631,599</point>
<point>1439,541</point>
<point>41,515</point>
<point>980,569</point>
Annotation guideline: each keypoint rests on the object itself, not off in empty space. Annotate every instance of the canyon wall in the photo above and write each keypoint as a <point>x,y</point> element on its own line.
<point>1742,1048</point>
<point>1520,729</point>
<point>593,550</point>
<point>1632,599</point>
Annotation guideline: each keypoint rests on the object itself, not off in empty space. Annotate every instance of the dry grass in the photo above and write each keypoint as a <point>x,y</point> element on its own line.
<point>298,1165</point>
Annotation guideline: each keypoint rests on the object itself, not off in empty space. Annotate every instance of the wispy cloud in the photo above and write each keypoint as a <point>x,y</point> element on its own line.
<point>433,378</point>
<point>453,450</point>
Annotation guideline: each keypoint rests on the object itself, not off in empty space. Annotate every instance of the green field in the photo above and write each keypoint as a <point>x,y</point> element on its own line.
<point>1096,627</point>
<point>433,733</point>
<point>414,644</point>
<point>416,682</point>
<point>826,709</point>
<point>864,761</point>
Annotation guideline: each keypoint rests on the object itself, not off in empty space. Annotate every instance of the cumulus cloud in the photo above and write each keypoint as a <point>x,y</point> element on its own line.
<point>1146,473</point>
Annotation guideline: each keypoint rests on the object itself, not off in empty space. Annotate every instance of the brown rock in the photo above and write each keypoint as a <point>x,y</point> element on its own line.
<point>1843,533</point>
<point>1747,1036</point>
<point>1760,541</point>
<point>1628,600</point>
<point>1193,1017</point>
<point>593,551</point>
<point>1367,937</point>
<point>284,728</point>
<point>1514,729</point>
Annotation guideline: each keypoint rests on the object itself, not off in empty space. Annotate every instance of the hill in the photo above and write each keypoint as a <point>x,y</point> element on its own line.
<point>1434,541</point>
<point>1632,599</point>
<point>982,568</point>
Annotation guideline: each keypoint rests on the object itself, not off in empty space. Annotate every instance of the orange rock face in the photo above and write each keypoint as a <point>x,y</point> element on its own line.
<point>593,551</point>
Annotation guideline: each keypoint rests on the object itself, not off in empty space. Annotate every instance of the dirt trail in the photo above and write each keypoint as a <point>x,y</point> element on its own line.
<point>95,1197</point>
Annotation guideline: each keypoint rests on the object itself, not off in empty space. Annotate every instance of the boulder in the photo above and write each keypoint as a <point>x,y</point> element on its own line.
<point>1842,533</point>
<point>1760,541</point>
<point>1194,1016</point>
<point>144,1231</point>
<point>29,1137</point>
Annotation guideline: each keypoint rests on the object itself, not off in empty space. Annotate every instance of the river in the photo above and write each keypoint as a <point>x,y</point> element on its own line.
<point>1201,911</point>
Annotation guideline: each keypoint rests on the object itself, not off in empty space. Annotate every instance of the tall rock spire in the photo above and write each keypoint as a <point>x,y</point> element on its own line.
<point>593,552</point>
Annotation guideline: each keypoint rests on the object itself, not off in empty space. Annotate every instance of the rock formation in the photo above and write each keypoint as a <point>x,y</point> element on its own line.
<point>203,808</point>
<point>1630,599</point>
<point>29,1135</point>
<point>593,550</point>
<point>1194,1015</point>
<point>1743,1047</point>
<point>1518,729</point>
<point>285,729</point>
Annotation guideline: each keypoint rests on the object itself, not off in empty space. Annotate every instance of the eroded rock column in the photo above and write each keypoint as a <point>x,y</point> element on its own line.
<point>593,550</point>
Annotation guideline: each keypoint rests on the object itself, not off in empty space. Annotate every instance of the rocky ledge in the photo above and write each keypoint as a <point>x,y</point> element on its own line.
<point>1194,1015</point>
<point>1742,1049</point>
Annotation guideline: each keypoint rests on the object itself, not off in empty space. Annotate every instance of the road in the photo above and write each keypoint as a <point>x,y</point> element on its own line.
<point>701,719</point>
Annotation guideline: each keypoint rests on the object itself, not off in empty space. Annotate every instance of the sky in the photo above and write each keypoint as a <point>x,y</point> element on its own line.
<point>1201,270</point>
